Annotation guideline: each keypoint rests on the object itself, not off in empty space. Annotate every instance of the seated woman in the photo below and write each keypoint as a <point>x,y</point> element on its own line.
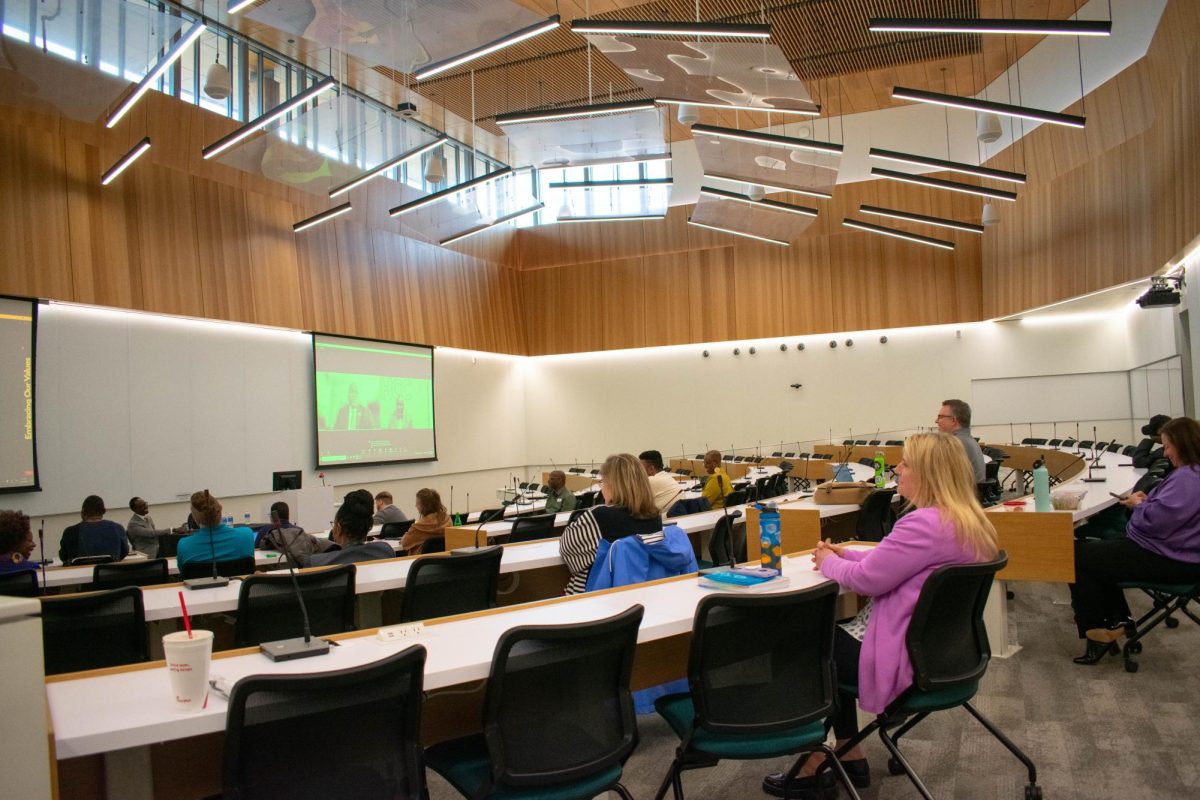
<point>629,510</point>
<point>1161,544</point>
<point>947,526</point>
<point>94,536</point>
<point>214,540</point>
<point>351,524</point>
<point>16,543</point>
<point>432,520</point>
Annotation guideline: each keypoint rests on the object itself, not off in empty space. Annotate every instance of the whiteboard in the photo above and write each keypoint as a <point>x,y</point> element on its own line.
<point>1079,397</point>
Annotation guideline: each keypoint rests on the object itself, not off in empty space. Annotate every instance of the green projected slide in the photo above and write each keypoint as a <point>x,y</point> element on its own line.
<point>374,401</point>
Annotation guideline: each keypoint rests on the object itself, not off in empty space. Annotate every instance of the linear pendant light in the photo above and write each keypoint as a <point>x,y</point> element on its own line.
<point>571,112</point>
<point>910,237</point>
<point>659,28</point>
<point>950,166</point>
<point>236,6</point>
<point>537,29</point>
<point>938,183</point>
<point>815,111</point>
<point>413,205</point>
<point>614,218</point>
<point>164,63</point>
<point>385,166</point>
<point>226,142</point>
<point>754,137</point>
<point>1036,27</point>
<point>719,229</point>
<point>499,220</point>
<point>908,216</point>
<point>772,205</point>
<point>602,184</point>
<point>124,161</point>
<point>971,104</point>
<point>809,192</point>
<point>317,219</point>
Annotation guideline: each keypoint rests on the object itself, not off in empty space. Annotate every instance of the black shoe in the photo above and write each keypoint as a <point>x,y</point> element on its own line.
<point>1096,651</point>
<point>859,772</point>
<point>811,787</point>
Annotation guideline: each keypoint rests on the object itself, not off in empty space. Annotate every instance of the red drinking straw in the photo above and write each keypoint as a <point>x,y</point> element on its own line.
<point>187,623</point>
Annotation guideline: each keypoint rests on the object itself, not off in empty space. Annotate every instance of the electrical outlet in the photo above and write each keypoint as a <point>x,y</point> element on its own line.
<point>398,633</point>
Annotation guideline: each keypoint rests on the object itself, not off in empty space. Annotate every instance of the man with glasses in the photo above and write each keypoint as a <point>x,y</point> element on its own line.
<point>954,418</point>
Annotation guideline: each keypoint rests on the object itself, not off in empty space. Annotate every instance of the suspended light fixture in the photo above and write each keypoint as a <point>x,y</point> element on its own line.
<point>779,242</point>
<point>938,183</point>
<point>247,130</point>
<point>771,205</point>
<point>123,163</point>
<point>537,29</point>
<point>435,169</point>
<point>815,111</point>
<point>482,180</point>
<point>614,218</point>
<point>687,114</point>
<point>385,166</point>
<point>653,28</point>
<point>895,234</point>
<point>987,129</point>
<point>730,178</point>
<point>950,166</point>
<point>755,192</point>
<point>573,112</point>
<point>236,6</point>
<point>1032,27</point>
<point>767,139</point>
<point>990,215</point>
<point>217,83</point>
<point>499,220</point>
<point>604,184</point>
<point>971,104</point>
<point>908,216</point>
<point>324,216</point>
<point>160,69</point>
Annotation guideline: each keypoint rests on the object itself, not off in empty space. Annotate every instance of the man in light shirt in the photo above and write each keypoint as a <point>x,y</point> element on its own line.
<point>666,489</point>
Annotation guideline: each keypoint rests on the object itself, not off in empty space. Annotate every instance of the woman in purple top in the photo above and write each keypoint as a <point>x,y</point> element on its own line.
<point>946,526</point>
<point>1161,544</point>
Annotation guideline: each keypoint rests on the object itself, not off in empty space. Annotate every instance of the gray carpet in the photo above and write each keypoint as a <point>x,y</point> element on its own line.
<point>1094,732</point>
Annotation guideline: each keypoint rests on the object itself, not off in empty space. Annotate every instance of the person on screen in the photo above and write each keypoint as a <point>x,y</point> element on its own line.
<point>16,543</point>
<point>399,419</point>
<point>351,525</point>
<point>432,520</point>
<point>143,534</point>
<point>94,536</point>
<point>214,541</point>
<point>354,416</point>
<point>385,512</point>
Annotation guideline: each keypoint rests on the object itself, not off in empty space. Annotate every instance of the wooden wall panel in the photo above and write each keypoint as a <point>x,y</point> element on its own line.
<point>665,287</point>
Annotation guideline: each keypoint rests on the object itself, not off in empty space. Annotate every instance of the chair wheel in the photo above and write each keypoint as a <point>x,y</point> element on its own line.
<point>1033,793</point>
<point>894,766</point>
<point>1131,666</point>
<point>1171,622</point>
<point>1134,647</point>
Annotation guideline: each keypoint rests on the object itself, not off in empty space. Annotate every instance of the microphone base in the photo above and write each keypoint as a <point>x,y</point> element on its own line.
<point>1095,480</point>
<point>466,551</point>
<point>1097,467</point>
<point>196,584</point>
<point>291,649</point>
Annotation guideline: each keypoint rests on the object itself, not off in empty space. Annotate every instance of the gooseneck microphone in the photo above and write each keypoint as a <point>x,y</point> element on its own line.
<point>475,548</point>
<point>1012,437</point>
<point>216,580</point>
<point>306,645</point>
<point>1097,451</point>
<point>42,550</point>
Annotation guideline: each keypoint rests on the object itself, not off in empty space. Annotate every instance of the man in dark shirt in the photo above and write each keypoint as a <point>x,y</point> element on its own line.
<point>1150,449</point>
<point>94,536</point>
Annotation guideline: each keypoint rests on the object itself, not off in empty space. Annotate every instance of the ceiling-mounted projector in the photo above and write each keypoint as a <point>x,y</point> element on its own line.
<point>1161,293</point>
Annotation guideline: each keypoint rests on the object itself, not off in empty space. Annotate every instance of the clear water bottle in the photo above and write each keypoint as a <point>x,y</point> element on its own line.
<point>880,466</point>
<point>770,549</point>
<point>1041,487</point>
<point>246,519</point>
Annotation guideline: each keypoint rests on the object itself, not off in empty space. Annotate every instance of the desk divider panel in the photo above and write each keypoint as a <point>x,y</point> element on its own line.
<point>1040,546</point>
<point>799,530</point>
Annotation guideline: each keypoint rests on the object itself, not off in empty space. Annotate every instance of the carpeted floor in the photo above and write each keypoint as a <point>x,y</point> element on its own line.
<point>1094,732</point>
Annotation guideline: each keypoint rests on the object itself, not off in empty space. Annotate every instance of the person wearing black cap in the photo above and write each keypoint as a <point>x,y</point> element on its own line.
<point>1150,449</point>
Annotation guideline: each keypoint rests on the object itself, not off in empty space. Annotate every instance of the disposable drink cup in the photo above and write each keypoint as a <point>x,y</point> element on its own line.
<point>187,665</point>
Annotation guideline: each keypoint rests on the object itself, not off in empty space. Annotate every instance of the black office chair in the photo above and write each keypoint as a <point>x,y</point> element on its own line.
<point>585,500</point>
<point>23,583</point>
<point>867,462</point>
<point>90,631</point>
<point>395,530</point>
<point>558,716</point>
<point>728,542</point>
<point>232,568</point>
<point>529,529</point>
<point>434,544</point>
<point>873,442</point>
<point>84,561</point>
<point>848,441</point>
<point>1129,450</point>
<point>168,546</point>
<point>268,609</point>
<point>777,454</point>
<point>576,514</point>
<point>458,583</point>
<point>761,682</point>
<point>380,703</point>
<point>490,515</point>
<point>1115,448</point>
<point>130,573</point>
<point>1036,441</point>
<point>894,443</point>
<point>876,516</point>
<point>576,470</point>
<point>735,498</point>
<point>948,646</point>
<point>1054,442</point>
<point>1166,600</point>
<point>1086,444</point>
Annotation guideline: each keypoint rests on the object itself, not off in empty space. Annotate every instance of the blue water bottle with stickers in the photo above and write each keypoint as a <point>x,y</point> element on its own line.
<point>770,550</point>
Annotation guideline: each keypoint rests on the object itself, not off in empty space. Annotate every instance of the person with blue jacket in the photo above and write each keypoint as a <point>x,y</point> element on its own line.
<point>214,541</point>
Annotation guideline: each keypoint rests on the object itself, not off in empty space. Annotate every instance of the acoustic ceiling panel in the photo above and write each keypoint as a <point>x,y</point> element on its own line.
<point>773,166</point>
<point>471,209</point>
<point>581,141</point>
<point>750,219</point>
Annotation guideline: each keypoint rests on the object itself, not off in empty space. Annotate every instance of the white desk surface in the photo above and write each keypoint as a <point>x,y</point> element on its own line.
<point>1117,479</point>
<point>132,709</point>
<point>371,576</point>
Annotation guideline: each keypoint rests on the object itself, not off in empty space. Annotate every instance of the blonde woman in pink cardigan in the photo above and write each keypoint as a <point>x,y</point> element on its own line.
<point>945,526</point>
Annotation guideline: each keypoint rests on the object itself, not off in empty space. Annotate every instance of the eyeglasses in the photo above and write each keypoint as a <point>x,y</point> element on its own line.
<point>945,416</point>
